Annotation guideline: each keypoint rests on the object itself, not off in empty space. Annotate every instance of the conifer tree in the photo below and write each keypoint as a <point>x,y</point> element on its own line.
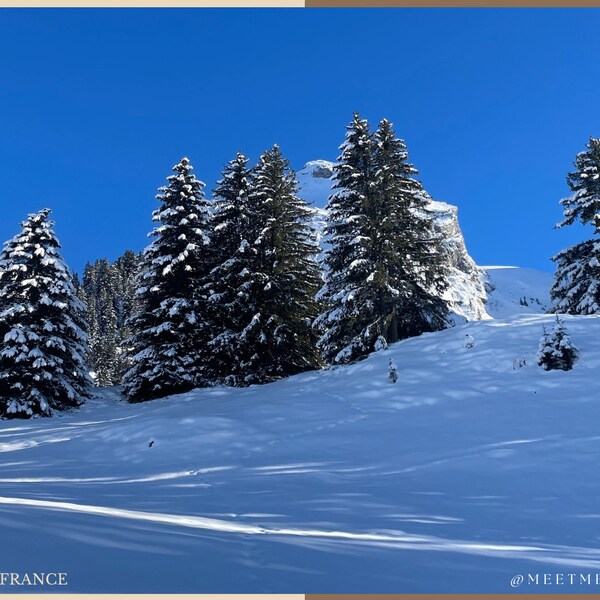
<point>408,271</point>
<point>385,274</point>
<point>169,327</point>
<point>42,340</point>
<point>108,291</point>
<point>125,301</point>
<point>98,292</point>
<point>126,268</point>
<point>576,288</point>
<point>230,305</point>
<point>346,295</point>
<point>277,340</point>
<point>556,351</point>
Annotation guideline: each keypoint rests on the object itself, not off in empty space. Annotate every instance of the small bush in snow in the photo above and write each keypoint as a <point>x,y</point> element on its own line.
<point>556,351</point>
<point>393,372</point>
<point>380,343</point>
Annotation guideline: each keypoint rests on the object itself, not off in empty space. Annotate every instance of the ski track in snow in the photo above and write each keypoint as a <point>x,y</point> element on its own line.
<point>558,555</point>
<point>149,478</point>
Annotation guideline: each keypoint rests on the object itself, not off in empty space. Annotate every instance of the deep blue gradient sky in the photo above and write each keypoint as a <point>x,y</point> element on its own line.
<point>97,105</point>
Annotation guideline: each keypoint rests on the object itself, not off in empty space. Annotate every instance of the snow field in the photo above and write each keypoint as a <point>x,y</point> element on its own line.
<point>466,471</point>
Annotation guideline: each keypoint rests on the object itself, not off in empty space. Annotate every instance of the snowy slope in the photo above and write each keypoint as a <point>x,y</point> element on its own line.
<point>514,290</point>
<point>463,474</point>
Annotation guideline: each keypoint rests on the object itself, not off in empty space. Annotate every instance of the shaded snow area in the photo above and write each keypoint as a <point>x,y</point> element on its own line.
<point>467,471</point>
<point>514,290</point>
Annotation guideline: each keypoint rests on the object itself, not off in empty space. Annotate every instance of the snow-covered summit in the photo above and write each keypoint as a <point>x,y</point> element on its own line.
<point>314,181</point>
<point>319,169</point>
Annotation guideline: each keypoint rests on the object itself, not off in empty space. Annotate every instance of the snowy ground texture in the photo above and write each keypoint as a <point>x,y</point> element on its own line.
<point>463,474</point>
<point>514,290</point>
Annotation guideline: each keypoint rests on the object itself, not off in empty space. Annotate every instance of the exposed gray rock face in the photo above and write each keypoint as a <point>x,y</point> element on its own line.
<point>320,169</point>
<point>466,294</point>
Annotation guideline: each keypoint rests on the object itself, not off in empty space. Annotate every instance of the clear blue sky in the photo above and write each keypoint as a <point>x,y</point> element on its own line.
<point>97,105</point>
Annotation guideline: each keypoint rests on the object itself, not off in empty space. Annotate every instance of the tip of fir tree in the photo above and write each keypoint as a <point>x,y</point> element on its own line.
<point>184,163</point>
<point>42,214</point>
<point>38,217</point>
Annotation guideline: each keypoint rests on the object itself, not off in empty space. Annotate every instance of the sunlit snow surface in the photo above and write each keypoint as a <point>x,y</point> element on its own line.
<point>517,290</point>
<point>466,472</point>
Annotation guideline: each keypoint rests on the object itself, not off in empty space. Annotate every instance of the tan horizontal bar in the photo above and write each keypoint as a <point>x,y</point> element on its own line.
<point>53,596</point>
<point>151,3</point>
<point>298,3</point>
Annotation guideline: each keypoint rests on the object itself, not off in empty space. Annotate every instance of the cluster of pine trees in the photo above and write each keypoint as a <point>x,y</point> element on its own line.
<point>226,291</point>
<point>108,291</point>
<point>230,290</point>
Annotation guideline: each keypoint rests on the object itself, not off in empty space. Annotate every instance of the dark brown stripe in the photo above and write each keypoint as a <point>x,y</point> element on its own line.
<point>442,596</point>
<point>453,4</point>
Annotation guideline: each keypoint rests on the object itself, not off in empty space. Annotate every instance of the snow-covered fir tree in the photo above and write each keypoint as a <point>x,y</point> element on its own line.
<point>385,275</point>
<point>170,334</point>
<point>109,292</point>
<point>42,340</point>
<point>556,351</point>
<point>576,288</point>
<point>98,292</point>
<point>276,339</point>
<point>408,272</point>
<point>230,306</point>
<point>346,295</point>
<point>127,268</point>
